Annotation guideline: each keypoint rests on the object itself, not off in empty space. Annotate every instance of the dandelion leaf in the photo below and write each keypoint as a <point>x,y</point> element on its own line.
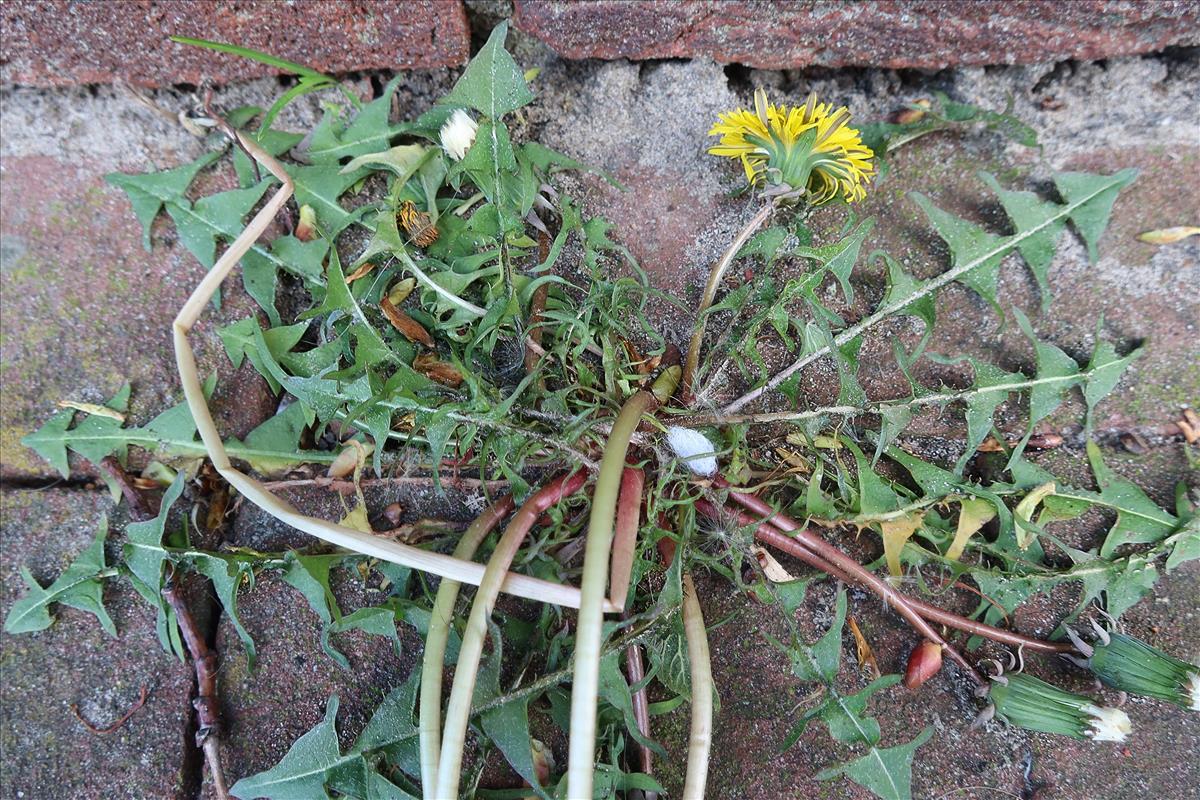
<point>79,586</point>
<point>149,191</point>
<point>302,770</point>
<point>368,132</point>
<point>1139,519</point>
<point>845,716</point>
<point>822,660</point>
<point>1104,370</point>
<point>227,575</point>
<point>492,83</point>
<point>145,558</point>
<point>214,217</point>
<point>886,772</point>
<point>1090,200</point>
<point>976,254</point>
<point>1035,217</point>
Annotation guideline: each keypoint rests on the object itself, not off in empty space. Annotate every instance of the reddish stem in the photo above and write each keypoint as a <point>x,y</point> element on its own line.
<point>636,673</point>
<point>852,567</point>
<point>769,534</point>
<point>629,510</point>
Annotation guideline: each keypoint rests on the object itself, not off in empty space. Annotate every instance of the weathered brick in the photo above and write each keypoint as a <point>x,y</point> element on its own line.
<point>887,33</point>
<point>61,43</point>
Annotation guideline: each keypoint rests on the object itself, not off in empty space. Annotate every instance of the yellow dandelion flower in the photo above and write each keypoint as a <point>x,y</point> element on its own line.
<point>795,148</point>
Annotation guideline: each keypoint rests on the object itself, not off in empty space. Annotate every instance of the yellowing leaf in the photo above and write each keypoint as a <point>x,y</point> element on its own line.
<point>895,533</point>
<point>971,517</point>
<point>1168,235</point>
<point>92,408</point>
<point>1024,511</point>
<point>357,519</point>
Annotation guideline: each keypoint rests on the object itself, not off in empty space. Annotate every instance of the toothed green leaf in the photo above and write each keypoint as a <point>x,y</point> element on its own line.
<point>492,83</point>
<point>1056,373</point>
<point>367,132</point>
<point>1090,199</point>
<point>1030,214</point>
<point>79,586</point>
<point>1139,519</point>
<point>886,772</point>
<point>145,558</point>
<point>976,254</point>
<point>149,191</point>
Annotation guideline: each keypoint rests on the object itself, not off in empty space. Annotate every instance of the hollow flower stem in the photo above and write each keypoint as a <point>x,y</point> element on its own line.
<point>700,735</point>
<point>585,688</point>
<point>692,362</point>
<point>458,710</point>
<point>430,720</point>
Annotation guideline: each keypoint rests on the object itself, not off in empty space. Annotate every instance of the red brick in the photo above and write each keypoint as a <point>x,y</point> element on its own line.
<point>61,43</point>
<point>887,33</point>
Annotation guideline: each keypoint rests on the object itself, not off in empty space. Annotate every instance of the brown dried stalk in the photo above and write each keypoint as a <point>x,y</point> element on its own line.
<point>208,714</point>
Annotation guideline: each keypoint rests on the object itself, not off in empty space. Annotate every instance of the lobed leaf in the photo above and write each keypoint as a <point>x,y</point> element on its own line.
<point>79,586</point>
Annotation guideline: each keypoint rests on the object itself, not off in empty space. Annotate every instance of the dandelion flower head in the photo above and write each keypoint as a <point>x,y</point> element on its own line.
<point>808,147</point>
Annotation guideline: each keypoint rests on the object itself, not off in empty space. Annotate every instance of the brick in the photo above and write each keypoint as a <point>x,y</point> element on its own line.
<point>48,754</point>
<point>87,309</point>
<point>61,43</point>
<point>927,34</point>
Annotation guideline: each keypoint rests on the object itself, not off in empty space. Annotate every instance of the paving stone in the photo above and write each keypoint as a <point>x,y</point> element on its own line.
<point>266,710</point>
<point>924,34</point>
<point>62,43</point>
<point>86,308</point>
<point>48,754</point>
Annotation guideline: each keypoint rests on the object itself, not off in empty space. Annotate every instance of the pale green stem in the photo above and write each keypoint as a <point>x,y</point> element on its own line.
<point>700,737</point>
<point>430,720</point>
<point>585,688</point>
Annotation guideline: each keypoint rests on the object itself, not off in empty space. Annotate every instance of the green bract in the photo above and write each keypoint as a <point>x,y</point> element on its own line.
<point>1031,703</point>
<point>1132,666</point>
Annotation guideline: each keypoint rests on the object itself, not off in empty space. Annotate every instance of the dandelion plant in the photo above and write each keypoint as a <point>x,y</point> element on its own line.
<point>454,313</point>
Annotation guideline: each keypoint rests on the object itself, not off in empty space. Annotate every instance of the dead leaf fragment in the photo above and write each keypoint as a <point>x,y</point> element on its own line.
<point>1190,426</point>
<point>907,116</point>
<point>1168,235</point>
<point>1025,509</point>
<point>354,454</point>
<point>971,517</point>
<point>435,369</point>
<point>409,328</point>
<point>866,656</point>
<point>775,572</point>
<point>92,408</point>
<point>361,271</point>
<point>895,533</point>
